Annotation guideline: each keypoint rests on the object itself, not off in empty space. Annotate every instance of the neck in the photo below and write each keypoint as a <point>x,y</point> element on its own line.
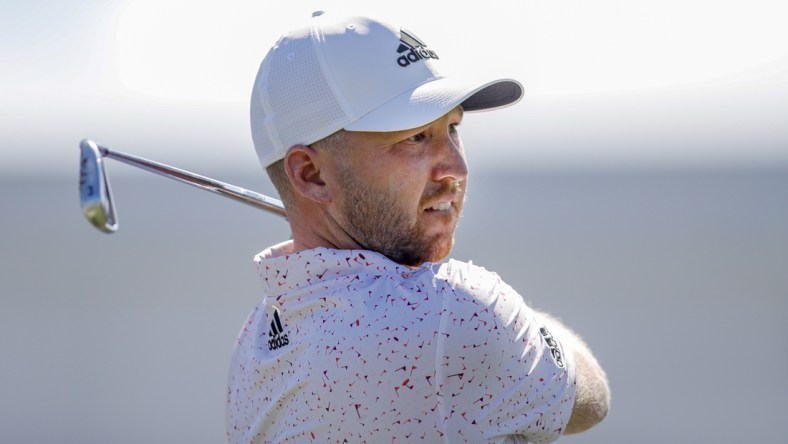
<point>315,227</point>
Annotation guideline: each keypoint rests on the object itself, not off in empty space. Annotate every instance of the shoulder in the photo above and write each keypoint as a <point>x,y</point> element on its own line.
<point>474,281</point>
<point>496,360</point>
<point>475,292</point>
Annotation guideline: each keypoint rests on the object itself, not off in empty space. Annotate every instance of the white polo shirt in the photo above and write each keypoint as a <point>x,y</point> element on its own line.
<point>348,346</point>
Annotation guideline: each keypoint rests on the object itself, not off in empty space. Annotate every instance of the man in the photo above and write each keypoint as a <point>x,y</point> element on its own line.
<point>362,336</point>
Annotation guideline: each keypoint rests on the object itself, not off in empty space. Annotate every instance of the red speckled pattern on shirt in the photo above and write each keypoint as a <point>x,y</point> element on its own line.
<point>347,346</point>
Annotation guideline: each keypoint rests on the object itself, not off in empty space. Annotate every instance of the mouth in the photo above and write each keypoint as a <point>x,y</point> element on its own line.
<point>445,203</point>
<point>440,206</point>
<point>444,200</point>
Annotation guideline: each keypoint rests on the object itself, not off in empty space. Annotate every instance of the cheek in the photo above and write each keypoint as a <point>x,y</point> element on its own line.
<point>406,183</point>
<point>402,177</point>
<point>408,191</point>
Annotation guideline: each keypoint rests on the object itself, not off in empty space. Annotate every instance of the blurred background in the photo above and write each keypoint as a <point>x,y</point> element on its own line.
<point>639,192</point>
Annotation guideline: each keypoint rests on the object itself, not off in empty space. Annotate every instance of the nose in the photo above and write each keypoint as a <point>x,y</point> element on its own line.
<point>449,159</point>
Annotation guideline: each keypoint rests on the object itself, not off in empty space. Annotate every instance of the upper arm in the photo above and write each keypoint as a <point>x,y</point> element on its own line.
<point>536,382</point>
<point>592,394</point>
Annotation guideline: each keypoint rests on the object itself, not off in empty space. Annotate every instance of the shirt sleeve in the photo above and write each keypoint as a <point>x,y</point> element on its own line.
<point>502,373</point>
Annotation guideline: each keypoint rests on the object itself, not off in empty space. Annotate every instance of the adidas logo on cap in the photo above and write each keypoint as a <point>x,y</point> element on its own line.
<point>412,49</point>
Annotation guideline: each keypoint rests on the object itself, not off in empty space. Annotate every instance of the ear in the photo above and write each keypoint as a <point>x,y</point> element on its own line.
<point>303,166</point>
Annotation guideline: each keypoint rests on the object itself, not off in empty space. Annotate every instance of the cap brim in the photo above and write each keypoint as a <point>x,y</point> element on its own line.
<point>431,100</point>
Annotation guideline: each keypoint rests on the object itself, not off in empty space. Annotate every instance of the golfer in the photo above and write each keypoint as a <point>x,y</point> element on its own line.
<point>365,333</point>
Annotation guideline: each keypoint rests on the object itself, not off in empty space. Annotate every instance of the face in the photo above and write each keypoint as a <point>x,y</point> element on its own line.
<point>401,193</point>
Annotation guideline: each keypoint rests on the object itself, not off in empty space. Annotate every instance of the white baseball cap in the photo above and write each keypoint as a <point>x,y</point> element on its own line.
<point>357,74</point>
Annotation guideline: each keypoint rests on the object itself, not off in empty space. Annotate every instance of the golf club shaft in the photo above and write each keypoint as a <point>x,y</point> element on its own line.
<point>206,183</point>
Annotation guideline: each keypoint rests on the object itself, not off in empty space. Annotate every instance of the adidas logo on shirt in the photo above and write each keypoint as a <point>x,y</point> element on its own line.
<point>412,49</point>
<point>277,335</point>
<point>554,347</point>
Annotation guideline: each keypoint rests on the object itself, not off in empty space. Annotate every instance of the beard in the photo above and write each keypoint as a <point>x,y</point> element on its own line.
<point>378,222</point>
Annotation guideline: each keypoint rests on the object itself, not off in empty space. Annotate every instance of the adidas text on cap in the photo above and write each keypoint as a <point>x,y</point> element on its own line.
<point>358,74</point>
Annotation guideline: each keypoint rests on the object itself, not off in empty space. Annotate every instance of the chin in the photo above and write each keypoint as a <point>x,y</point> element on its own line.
<point>440,250</point>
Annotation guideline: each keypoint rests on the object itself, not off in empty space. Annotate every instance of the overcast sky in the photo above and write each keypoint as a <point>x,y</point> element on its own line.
<point>691,82</point>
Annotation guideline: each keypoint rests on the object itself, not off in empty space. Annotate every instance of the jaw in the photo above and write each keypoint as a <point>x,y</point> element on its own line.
<point>437,230</point>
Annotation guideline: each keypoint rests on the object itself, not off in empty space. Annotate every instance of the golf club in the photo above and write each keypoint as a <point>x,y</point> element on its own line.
<point>95,193</point>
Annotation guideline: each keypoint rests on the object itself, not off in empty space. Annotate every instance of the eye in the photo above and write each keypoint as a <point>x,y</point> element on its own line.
<point>416,137</point>
<point>453,128</point>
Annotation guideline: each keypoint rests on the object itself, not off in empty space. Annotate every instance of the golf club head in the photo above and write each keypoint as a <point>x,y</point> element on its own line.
<point>95,194</point>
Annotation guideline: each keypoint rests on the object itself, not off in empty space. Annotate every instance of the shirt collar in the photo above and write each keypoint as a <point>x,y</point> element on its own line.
<point>282,270</point>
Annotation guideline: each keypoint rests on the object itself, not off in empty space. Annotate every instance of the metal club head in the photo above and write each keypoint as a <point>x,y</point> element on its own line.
<point>95,194</point>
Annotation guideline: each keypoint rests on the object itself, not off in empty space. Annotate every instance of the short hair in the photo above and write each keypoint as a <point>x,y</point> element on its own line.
<point>276,171</point>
